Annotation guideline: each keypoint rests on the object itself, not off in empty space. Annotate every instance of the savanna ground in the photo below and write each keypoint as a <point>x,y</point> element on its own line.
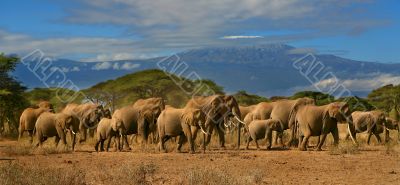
<point>345,164</point>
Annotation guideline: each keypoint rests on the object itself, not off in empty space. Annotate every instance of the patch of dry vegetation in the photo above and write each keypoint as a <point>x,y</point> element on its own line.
<point>213,176</point>
<point>344,147</point>
<point>12,173</point>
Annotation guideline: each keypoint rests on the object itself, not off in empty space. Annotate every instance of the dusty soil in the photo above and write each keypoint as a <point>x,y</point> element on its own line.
<point>368,165</point>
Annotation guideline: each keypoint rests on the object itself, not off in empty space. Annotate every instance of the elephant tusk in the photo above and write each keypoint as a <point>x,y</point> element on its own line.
<point>73,132</point>
<point>351,136</point>
<point>120,134</point>
<point>226,125</point>
<point>240,121</point>
<point>202,130</point>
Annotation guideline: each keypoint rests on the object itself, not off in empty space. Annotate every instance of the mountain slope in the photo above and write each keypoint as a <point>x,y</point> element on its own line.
<point>266,70</point>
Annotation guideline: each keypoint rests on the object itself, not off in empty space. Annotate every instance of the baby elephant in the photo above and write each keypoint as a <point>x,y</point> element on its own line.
<point>107,129</point>
<point>262,129</point>
<point>55,125</point>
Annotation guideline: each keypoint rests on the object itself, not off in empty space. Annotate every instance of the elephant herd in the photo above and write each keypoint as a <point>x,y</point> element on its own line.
<point>151,118</point>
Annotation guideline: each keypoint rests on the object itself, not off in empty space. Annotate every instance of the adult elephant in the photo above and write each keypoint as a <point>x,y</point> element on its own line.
<point>244,110</point>
<point>139,117</point>
<point>56,125</point>
<point>219,110</point>
<point>368,121</point>
<point>183,123</point>
<point>284,111</point>
<point>312,120</point>
<point>88,114</point>
<point>28,119</point>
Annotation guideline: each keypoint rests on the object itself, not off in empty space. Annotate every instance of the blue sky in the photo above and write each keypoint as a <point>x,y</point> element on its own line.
<point>102,30</point>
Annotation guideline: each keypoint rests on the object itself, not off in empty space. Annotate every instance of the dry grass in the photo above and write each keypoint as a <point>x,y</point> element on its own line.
<point>13,173</point>
<point>213,176</point>
<point>129,174</point>
<point>344,147</point>
<point>23,148</point>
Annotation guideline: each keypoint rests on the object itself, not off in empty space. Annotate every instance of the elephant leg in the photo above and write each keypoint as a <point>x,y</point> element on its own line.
<point>163,139</point>
<point>378,138</point>
<point>249,139</point>
<point>20,132</point>
<point>109,143</point>
<point>268,138</point>
<point>386,134</point>
<point>188,133</point>
<point>102,145</point>
<point>300,141</point>
<point>125,138</point>
<point>82,131</point>
<point>181,140</point>
<point>73,137</point>
<point>335,134</point>
<point>303,146</point>
<point>221,136</point>
<point>256,141</point>
<point>276,138</point>
<point>369,137</point>
<point>194,132</point>
<point>208,138</point>
<point>30,133</point>
<point>96,147</point>
<point>57,140</point>
<point>321,142</point>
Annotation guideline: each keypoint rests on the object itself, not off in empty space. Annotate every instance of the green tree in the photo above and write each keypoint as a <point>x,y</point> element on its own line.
<point>319,97</point>
<point>244,98</point>
<point>357,103</point>
<point>386,98</point>
<point>12,101</point>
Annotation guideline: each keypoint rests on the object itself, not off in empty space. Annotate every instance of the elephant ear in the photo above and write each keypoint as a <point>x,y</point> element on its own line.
<point>114,124</point>
<point>188,117</point>
<point>299,103</point>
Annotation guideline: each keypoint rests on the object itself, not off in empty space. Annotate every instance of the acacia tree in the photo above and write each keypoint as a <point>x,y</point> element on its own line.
<point>12,101</point>
<point>386,98</point>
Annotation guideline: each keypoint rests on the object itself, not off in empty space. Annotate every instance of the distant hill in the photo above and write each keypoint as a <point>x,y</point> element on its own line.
<point>149,83</point>
<point>265,70</point>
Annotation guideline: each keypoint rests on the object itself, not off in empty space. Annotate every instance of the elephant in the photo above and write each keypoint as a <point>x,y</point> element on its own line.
<point>46,105</point>
<point>28,119</point>
<point>219,110</point>
<point>89,115</point>
<point>139,117</point>
<point>56,125</point>
<point>183,123</point>
<point>312,120</point>
<point>366,121</point>
<point>244,110</point>
<point>106,130</point>
<point>391,124</point>
<point>262,129</point>
<point>285,111</point>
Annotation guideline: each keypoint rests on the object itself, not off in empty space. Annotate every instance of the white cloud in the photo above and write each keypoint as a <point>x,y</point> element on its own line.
<point>102,66</point>
<point>361,84</point>
<point>129,66</point>
<point>75,68</point>
<point>113,57</point>
<point>115,66</point>
<point>242,37</point>
<point>182,24</point>
<point>167,26</point>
